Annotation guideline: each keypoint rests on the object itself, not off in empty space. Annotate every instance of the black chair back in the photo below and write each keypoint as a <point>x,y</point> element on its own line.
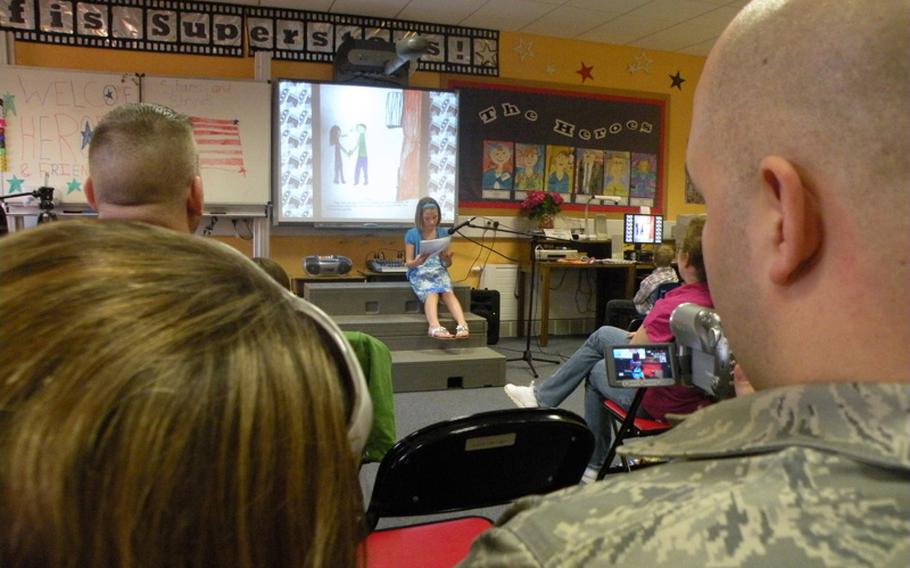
<point>485,459</point>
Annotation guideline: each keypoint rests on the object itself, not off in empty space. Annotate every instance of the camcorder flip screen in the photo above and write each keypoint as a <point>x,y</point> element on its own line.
<point>638,366</point>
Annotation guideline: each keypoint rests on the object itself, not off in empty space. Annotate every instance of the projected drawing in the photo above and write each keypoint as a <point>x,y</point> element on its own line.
<point>335,140</point>
<point>218,143</point>
<point>362,166</point>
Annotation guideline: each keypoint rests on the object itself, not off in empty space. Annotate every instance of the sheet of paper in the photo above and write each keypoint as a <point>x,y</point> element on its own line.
<point>434,246</point>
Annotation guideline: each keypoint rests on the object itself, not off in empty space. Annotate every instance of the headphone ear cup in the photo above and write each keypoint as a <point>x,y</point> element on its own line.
<point>360,420</point>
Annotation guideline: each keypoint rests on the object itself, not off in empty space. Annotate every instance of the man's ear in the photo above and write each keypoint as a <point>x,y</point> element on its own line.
<point>195,201</point>
<point>797,228</point>
<point>89,188</point>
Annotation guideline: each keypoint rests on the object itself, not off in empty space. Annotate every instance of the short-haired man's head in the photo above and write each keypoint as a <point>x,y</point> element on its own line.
<point>691,247</point>
<point>664,255</point>
<point>178,410</point>
<point>142,154</point>
<point>274,270</point>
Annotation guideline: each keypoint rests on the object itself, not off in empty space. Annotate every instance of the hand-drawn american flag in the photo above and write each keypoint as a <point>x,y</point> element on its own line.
<point>218,142</point>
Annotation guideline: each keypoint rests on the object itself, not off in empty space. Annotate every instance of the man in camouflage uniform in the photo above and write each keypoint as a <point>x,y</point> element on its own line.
<point>800,144</point>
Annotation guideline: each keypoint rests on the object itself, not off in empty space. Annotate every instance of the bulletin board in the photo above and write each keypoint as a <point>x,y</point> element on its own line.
<point>515,139</point>
<point>49,117</point>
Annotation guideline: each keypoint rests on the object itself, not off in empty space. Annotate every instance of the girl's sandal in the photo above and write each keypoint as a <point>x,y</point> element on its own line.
<point>462,332</point>
<point>440,333</point>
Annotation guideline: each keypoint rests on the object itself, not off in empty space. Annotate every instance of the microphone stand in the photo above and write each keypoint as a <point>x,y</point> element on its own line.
<point>527,356</point>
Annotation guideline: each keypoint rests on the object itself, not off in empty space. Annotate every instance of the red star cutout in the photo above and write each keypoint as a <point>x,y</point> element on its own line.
<point>585,72</point>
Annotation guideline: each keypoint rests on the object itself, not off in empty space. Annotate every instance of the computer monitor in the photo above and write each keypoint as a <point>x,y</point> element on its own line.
<point>644,229</point>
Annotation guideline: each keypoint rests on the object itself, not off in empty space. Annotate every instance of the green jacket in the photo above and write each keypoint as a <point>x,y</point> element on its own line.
<point>797,476</point>
<point>376,362</point>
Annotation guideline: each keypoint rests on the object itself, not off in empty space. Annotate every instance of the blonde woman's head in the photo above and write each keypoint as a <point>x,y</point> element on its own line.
<point>163,403</point>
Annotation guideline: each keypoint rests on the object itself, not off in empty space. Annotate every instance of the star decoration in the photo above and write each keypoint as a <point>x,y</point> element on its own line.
<point>486,54</point>
<point>585,72</point>
<point>9,102</point>
<point>677,81</point>
<point>86,135</point>
<point>15,185</point>
<point>524,49</point>
<point>641,63</point>
<point>109,95</point>
<point>72,186</point>
<point>551,69</point>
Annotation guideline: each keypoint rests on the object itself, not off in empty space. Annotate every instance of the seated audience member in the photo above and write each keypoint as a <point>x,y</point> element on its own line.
<point>647,292</point>
<point>165,403</point>
<point>804,181</point>
<point>143,166</point>
<point>588,361</point>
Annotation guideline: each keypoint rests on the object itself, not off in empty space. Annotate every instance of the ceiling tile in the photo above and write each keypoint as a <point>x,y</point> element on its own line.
<point>621,6</point>
<point>625,28</point>
<point>677,10</point>
<point>440,12</point>
<point>508,15</point>
<point>314,5</point>
<point>567,22</point>
<point>374,8</point>
<point>699,48</point>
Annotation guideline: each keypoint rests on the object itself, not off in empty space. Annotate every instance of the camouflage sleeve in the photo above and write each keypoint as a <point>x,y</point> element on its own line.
<point>499,547</point>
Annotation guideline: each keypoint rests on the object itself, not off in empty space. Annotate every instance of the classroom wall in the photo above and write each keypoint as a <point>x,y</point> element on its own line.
<point>530,59</point>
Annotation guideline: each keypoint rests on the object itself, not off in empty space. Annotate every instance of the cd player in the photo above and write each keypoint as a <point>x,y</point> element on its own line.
<point>333,264</point>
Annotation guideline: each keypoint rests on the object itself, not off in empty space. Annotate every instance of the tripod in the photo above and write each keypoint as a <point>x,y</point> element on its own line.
<point>46,196</point>
<point>527,356</point>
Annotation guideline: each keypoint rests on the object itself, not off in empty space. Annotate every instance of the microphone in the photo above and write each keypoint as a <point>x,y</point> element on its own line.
<point>454,229</point>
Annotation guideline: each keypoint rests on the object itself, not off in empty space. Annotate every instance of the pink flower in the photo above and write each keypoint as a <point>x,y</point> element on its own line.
<point>540,203</point>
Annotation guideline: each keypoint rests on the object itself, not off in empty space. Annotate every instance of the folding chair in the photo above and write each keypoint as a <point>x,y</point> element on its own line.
<point>628,425</point>
<point>482,460</point>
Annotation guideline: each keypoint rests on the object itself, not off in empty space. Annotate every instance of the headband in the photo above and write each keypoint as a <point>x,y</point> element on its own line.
<point>429,205</point>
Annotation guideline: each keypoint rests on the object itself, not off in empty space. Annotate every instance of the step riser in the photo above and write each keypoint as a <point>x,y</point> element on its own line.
<point>459,373</point>
<point>375,298</point>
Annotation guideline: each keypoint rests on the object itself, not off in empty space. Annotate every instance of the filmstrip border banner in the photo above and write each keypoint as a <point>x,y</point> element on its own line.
<point>205,28</point>
<point>315,36</point>
<point>167,26</point>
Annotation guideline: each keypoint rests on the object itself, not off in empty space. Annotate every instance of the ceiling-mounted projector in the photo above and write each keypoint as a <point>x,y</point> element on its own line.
<point>375,61</point>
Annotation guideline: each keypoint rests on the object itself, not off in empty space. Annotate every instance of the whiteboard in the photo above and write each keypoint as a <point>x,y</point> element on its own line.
<point>50,116</point>
<point>231,124</point>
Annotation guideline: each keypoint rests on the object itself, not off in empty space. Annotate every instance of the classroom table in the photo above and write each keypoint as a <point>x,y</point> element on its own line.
<point>613,280</point>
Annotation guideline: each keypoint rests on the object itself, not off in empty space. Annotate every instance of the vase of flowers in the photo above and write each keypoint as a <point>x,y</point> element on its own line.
<point>542,206</point>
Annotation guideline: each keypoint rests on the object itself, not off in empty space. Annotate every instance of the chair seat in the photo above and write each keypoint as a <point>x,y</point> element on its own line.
<point>644,426</point>
<point>438,544</point>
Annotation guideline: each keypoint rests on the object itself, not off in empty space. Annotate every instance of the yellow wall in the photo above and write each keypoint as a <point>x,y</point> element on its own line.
<point>549,62</point>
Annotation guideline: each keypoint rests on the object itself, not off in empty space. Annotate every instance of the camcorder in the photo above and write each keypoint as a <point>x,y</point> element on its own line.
<point>700,356</point>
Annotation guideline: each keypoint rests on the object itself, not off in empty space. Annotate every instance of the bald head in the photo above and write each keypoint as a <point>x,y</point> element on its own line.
<point>800,144</point>
<point>143,165</point>
<point>823,86</point>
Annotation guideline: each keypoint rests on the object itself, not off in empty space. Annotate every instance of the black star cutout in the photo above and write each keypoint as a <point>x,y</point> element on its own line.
<point>677,81</point>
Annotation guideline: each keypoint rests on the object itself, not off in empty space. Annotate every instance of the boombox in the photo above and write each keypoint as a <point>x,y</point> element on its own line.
<point>320,265</point>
